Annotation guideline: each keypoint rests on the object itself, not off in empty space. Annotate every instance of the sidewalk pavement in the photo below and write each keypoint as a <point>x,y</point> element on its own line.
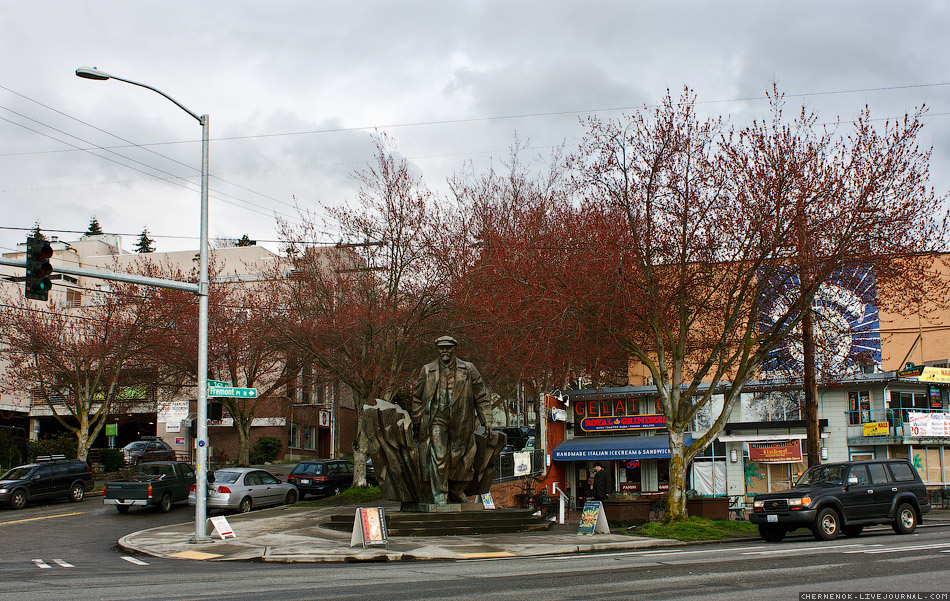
<point>296,534</point>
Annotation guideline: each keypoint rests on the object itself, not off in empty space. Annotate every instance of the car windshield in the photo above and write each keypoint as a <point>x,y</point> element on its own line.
<point>308,469</point>
<point>17,473</point>
<point>822,475</point>
<point>223,477</point>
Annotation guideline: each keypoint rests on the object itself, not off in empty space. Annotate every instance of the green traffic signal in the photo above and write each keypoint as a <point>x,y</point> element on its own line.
<point>38,269</point>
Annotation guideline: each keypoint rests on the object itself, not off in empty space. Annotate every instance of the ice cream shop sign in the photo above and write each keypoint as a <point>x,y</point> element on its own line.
<point>603,415</point>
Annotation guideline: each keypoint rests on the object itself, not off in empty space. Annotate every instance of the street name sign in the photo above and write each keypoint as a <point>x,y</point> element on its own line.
<point>232,392</point>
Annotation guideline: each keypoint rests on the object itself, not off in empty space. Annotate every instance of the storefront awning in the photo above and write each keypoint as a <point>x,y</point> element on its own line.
<point>584,448</point>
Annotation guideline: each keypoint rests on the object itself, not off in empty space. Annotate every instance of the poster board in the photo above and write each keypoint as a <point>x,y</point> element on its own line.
<point>221,525</point>
<point>593,520</point>
<point>369,528</point>
<point>487,501</point>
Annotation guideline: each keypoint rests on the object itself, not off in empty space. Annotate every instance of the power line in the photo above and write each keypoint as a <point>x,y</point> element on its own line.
<point>511,116</point>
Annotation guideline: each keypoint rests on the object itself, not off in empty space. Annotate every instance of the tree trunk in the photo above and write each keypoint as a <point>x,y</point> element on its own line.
<point>811,388</point>
<point>82,443</point>
<point>243,428</point>
<point>676,503</point>
<point>359,457</point>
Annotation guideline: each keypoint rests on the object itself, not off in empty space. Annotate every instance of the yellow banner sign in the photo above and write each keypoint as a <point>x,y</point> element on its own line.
<point>935,374</point>
<point>876,429</point>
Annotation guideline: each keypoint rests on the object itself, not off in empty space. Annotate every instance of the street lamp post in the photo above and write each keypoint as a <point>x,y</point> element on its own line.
<point>201,486</point>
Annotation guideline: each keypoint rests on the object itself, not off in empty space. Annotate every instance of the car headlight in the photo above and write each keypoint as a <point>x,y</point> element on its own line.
<point>799,501</point>
<point>3,490</point>
<point>757,504</point>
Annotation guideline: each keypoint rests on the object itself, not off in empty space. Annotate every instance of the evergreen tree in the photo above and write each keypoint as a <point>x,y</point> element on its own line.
<point>145,244</point>
<point>245,241</point>
<point>36,233</point>
<point>94,228</point>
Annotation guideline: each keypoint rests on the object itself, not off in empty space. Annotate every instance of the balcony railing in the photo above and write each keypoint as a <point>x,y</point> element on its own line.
<point>887,426</point>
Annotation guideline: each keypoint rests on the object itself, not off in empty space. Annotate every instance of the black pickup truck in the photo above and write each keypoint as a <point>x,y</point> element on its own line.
<point>157,483</point>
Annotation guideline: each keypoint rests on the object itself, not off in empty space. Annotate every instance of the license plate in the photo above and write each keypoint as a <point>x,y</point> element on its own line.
<point>771,518</point>
<point>305,481</point>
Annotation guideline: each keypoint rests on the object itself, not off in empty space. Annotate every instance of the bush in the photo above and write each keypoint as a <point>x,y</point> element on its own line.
<point>9,452</point>
<point>55,444</point>
<point>265,449</point>
<point>111,460</point>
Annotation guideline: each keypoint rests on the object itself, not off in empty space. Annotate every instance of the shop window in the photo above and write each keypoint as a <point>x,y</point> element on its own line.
<point>927,462</point>
<point>631,470</point>
<point>663,474</point>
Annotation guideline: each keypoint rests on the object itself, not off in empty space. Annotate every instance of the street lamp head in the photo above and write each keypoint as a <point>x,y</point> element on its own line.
<point>92,73</point>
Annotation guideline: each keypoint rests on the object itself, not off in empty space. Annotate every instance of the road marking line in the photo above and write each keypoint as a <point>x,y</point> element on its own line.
<point>137,562</point>
<point>42,564</point>
<point>45,517</point>
<point>909,548</point>
<point>194,555</point>
<point>799,549</point>
<point>63,564</point>
<point>494,555</point>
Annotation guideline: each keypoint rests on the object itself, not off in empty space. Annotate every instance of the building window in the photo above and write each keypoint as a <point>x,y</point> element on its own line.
<point>310,438</point>
<point>294,436</point>
<point>859,407</point>
<point>73,298</point>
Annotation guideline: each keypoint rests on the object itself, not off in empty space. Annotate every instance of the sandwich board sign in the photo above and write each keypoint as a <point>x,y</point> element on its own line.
<point>593,520</point>
<point>369,528</point>
<point>220,523</point>
<point>487,501</point>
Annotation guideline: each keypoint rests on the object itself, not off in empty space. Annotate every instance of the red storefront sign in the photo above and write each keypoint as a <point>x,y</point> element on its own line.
<point>780,451</point>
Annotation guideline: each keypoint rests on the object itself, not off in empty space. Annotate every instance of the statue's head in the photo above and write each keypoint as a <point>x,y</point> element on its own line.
<point>446,347</point>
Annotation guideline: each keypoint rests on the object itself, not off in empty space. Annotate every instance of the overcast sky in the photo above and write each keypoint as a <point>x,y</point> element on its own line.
<point>295,90</point>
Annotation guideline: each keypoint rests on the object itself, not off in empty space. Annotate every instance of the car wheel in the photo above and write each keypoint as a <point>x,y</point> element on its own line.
<point>852,531</point>
<point>165,505</point>
<point>827,524</point>
<point>18,499</point>
<point>906,519</point>
<point>77,492</point>
<point>771,534</point>
<point>291,497</point>
<point>122,508</point>
<point>245,505</point>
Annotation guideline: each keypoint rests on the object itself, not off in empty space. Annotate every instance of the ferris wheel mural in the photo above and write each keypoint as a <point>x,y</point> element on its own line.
<point>847,327</point>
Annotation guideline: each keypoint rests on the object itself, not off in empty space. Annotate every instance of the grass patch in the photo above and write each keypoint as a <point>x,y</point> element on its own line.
<point>694,529</point>
<point>356,495</point>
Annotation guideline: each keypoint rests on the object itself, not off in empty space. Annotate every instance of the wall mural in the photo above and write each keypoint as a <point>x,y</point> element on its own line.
<point>847,328</point>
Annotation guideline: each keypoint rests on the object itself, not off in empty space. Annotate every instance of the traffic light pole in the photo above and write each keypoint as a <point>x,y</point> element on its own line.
<point>113,276</point>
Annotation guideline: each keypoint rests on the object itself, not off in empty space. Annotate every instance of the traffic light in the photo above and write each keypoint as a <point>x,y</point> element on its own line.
<point>214,410</point>
<point>38,268</point>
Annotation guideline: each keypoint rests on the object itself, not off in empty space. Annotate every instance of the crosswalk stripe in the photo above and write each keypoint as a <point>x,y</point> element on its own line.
<point>42,564</point>
<point>63,564</point>
<point>137,562</point>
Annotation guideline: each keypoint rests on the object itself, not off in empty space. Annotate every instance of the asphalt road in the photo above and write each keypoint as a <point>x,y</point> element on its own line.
<point>75,545</point>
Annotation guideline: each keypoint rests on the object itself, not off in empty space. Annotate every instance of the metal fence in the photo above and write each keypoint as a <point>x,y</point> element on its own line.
<point>506,466</point>
<point>883,425</point>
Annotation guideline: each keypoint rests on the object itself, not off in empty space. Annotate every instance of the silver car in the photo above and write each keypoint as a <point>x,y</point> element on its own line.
<point>246,488</point>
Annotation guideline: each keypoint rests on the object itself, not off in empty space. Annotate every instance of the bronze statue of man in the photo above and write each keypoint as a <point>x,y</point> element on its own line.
<point>448,398</point>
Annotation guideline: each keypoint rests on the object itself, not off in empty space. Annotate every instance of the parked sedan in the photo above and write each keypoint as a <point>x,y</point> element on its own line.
<point>245,488</point>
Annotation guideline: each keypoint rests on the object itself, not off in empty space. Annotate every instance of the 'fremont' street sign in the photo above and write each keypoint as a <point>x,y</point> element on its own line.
<point>230,391</point>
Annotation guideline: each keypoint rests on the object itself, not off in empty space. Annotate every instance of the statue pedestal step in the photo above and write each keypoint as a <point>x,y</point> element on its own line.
<point>407,506</point>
